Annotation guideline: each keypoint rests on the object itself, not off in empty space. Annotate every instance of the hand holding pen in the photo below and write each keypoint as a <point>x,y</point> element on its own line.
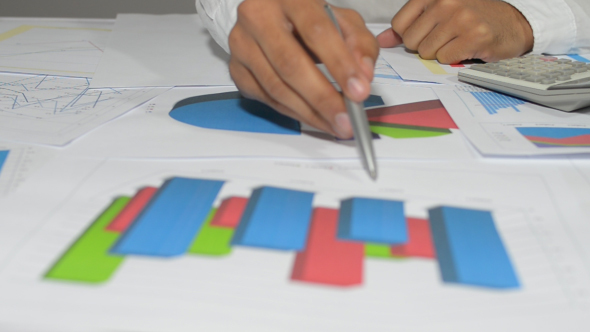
<point>270,63</point>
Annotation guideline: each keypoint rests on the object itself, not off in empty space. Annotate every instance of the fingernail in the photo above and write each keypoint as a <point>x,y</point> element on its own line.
<point>343,127</point>
<point>356,88</point>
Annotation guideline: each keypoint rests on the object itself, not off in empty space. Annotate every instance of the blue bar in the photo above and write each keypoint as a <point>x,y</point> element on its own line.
<point>372,220</point>
<point>170,222</point>
<point>275,218</point>
<point>3,157</point>
<point>578,58</point>
<point>469,249</point>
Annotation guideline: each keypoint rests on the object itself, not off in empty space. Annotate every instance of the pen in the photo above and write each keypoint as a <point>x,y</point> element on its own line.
<point>359,121</point>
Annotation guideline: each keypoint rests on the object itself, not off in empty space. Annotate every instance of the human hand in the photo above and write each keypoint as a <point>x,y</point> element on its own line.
<point>455,30</point>
<point>271,62</point>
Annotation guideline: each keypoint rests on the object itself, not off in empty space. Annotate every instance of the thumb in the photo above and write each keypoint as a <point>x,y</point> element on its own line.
<point>389,38</point>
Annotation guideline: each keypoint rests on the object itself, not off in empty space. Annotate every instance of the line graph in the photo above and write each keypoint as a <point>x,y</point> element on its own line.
<point>71,51</point>
<point>55,110</point>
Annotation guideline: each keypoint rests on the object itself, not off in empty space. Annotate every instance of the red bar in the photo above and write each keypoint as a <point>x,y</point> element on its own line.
<point>230,212</point>
<point>325,259</point>
<point>429,113</point>
<point>132,210</point>
<point>420,243</point>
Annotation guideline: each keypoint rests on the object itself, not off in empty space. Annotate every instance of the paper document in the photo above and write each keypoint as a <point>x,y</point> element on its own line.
<point>55,110</point>
<point>161,50</point>
<point>52,46</point>
<point>502,125</point>
<point>217,122</point>
<point>18,162</point>
<point>384,73</point>
<point>197,266</point>
<point>411,67</point>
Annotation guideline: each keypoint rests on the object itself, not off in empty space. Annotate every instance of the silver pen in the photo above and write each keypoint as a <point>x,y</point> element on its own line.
<point>359,121</point>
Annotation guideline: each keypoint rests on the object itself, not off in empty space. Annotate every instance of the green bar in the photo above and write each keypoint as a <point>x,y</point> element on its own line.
<point>379,251</point>
<point>401,131</point>
<point>87,260</point>
<point>212,240</point>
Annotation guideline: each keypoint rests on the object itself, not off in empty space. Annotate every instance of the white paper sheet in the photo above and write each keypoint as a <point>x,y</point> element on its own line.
<point>500,125</point>
<point>384,73</point>
<point>150,132</point>
<point>161,50</point>
<point>55,110</point>
<point>65,47</point>
<point>413,68</point>
<point>253,287</point>
<point>18,162</point>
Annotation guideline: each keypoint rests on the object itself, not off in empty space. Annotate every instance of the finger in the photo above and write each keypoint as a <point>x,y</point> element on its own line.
<point>319,34</point>
<point>422,26</point>
<point>359,39</point>
<point>257,80</point>
<point>251,88</point>
<point>457,50</point>
<point>293,65</point>
<point>389,38</point>
<point>435,40</point>
<point>408,14</point>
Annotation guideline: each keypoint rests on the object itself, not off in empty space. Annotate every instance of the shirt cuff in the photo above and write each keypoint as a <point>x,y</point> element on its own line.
<point>219,17</point>
<point>553,24</point>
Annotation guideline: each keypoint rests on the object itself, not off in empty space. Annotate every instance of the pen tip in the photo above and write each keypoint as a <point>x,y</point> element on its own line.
<point>373,175</point>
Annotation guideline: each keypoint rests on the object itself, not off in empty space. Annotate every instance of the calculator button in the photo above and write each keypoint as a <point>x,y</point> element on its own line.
<point>483,68</point>
<point>534,78</point>
<point>563,61</point>
<point>517,71</point>
<point>582,83</point>
<point>568,72</point>
<point>581,69</point>
<point>509,61</point>
<point>516,76</point>
<point>547,81</point>
<point>548,58</point>
<point>552,74</point>
<point>563,77</point>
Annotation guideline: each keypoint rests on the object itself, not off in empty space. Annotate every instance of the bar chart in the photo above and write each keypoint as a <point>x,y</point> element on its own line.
<point>493,102</point>
<point>330,245</point>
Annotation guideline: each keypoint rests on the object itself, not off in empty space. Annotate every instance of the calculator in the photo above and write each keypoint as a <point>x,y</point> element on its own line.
<point>546,80</point>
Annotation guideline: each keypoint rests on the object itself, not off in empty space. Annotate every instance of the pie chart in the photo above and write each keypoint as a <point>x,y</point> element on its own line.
<point>231,111</point>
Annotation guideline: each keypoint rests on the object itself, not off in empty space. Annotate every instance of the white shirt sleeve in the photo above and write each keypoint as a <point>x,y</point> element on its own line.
<point>219,16</point>
<point>559,26</point>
